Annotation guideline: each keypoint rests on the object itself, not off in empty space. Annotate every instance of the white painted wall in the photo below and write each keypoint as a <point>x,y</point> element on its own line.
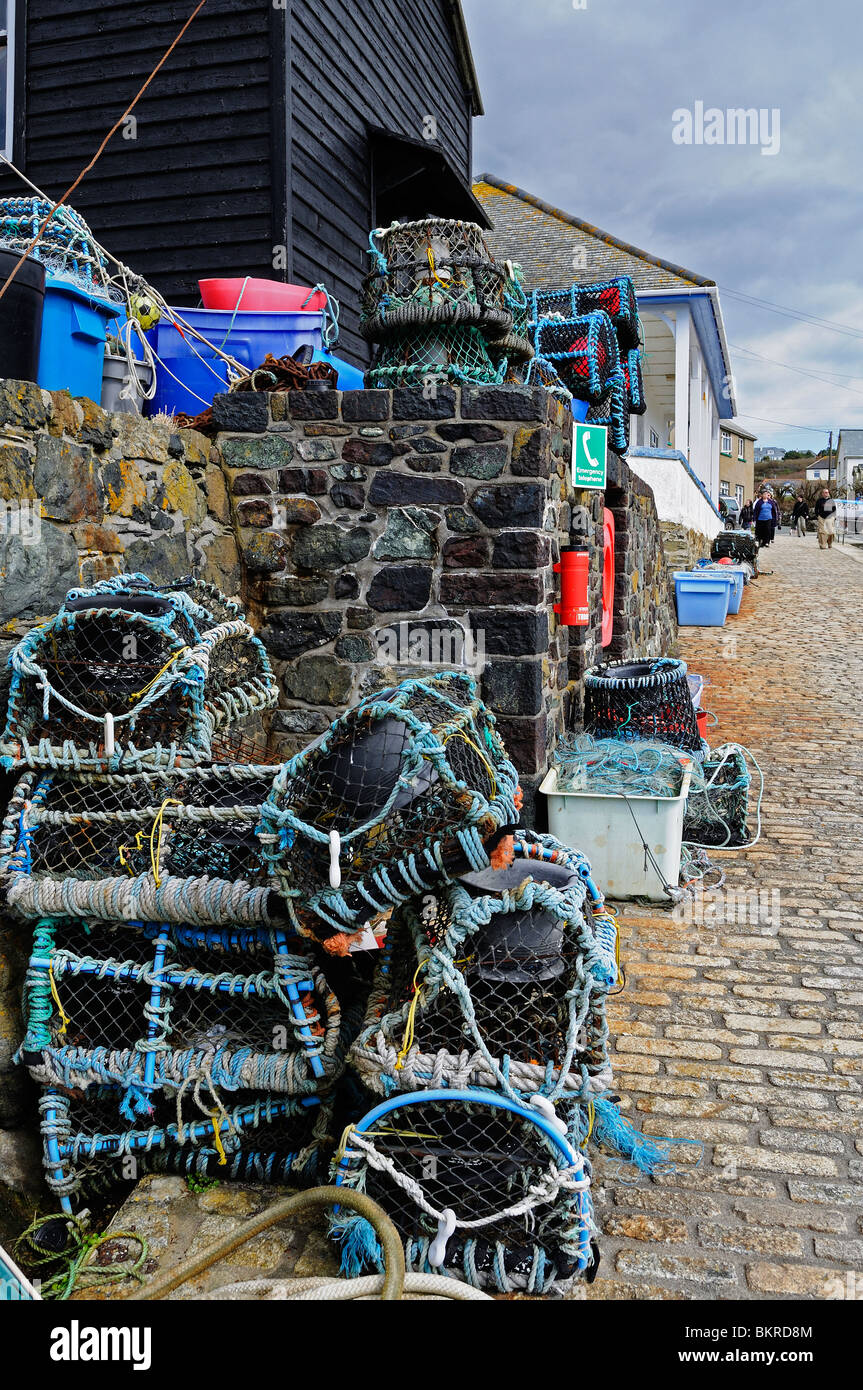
<point>678,498</point>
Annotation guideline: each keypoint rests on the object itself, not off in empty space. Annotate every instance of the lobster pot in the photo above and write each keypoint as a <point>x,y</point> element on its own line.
<point>167,846</point>
<point>740,546</point>
<point>541,372</point>
<point>644,700</point>
<point>263,1139</point>
<point>437,272</point>
<point>550,304</point>
<point>480,1188</point>
<point>612,412</point>
<point>411,784</point>
<point>427,353</point>
<point>125,674</point>
<point>583,351</point>
<point>717,814</point>
<point>498,981</point>
<point>617,299</point>
<point>147,1013</point>
<point>633,381</point>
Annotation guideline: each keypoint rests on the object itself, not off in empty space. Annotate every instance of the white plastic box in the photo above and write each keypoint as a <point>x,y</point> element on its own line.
<point>603,828</point>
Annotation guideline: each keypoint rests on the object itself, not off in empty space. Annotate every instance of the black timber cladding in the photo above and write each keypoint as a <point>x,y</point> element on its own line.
<point>207,187</point>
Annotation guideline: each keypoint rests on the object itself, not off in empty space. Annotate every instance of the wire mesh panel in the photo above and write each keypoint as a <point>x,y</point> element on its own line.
<point>146,1012</point>
<point>499,980</point>
<point>127,673</point>
<point>265,1138</point>
<point>479,1187</point>
<point>173,846</point>
<point>584,353</point>
<point>644,700</point>
<point>411,785</point>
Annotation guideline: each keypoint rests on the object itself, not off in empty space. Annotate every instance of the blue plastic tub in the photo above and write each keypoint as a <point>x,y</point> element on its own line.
<point>702,598</point>
<point>350,378</point>
<point>74,327</point>
<point>247,336</point>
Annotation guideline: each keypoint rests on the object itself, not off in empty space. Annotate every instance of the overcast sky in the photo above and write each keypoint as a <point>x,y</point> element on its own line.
<point>579,106</point>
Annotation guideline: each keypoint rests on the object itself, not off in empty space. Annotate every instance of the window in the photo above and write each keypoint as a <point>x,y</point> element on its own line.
<point>7,75</point>
<point>724,489</point>
<point>741,450</point>
<point>654,439</point>
<point>739,494</point>
<point>725,445</point>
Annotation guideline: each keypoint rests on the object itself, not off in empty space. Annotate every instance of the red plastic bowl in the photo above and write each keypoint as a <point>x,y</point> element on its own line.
<point>260,295</point>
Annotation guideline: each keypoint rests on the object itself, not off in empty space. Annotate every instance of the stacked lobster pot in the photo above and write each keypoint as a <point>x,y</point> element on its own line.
<point>439,307</point>
<point>586,340</point>
<point>172,1020</point>
<point>392,826</point>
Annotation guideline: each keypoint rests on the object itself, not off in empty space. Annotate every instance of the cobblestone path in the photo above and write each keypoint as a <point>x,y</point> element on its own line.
<point>747,1036</point>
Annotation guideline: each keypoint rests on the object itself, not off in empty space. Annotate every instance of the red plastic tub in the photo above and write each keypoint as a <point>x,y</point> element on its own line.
<point>701,716</point>
<point>261,295</point>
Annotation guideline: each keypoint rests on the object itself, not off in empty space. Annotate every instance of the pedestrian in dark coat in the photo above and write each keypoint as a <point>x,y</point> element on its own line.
<point>746,516</point>
<point>800,515</point>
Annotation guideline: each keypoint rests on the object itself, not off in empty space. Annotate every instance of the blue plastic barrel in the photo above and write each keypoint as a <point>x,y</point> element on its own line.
<point>702,598</point>
<point>185,382</point>
<point>75,324</point>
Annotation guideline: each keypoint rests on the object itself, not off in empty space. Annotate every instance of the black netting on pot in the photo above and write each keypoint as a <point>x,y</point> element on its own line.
<point>641,700</point>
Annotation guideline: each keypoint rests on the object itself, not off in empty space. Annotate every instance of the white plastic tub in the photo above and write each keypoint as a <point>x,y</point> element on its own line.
<point>603,828</point>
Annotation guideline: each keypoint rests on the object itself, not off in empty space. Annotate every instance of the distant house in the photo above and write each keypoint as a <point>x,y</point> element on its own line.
<point>773,452</point>
<point>278,133</point>
<point>687,366</point>
<point>736,461</point>
<point>849,456</point>
<point>820,468</point>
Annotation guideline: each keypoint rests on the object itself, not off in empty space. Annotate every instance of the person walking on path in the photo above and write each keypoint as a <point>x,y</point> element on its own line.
<point>767,518</point>
<point>825,515</point>
<point>800,515</point>
<point>746,516</point>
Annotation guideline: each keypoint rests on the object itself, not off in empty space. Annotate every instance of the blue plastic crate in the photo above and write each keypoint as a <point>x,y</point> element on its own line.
<point>702,599</point>
<point>75,324</point>
<point>190,374</point>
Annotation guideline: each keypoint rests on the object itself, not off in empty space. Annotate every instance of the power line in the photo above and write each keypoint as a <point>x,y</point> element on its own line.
<point>814,319</point>
<point>763,420</point>
<point>799,370</point>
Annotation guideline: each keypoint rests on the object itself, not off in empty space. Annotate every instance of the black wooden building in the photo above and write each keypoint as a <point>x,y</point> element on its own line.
<point>277,134</point>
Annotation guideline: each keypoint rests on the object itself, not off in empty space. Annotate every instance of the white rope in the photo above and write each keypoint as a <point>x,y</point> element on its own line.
<point>435,1287</point>
<point>545,1190</point>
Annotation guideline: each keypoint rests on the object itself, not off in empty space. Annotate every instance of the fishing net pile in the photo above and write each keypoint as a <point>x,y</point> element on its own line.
<point>717,814</point>
<point>171,1016</point>
<point>67,247</point>
<point>486,1034</point>
<point>587,342</point>
<point>438,306</point>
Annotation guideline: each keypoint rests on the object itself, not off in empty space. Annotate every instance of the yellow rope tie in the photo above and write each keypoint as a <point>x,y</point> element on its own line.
<point>591,1116</point>
<point>409,1029</point>
<point>156,844</point>
<point>217,1138</point>
<point>457,733</point>
<point>64,1017</point>
<point>123,850</point>
<point>136,694</point>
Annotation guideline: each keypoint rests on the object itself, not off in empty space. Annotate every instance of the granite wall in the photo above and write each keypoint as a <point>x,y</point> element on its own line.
<point>372,535</point>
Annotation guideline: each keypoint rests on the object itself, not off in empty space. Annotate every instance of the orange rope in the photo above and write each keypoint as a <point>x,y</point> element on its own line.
<point>71,189</point>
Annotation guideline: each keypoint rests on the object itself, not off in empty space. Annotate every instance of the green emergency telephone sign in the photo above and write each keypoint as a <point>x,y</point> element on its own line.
<point>589,456</point>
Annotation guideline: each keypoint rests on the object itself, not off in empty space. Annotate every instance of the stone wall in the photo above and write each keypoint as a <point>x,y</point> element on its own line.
<point>370,535</point>
<point>85,494</point>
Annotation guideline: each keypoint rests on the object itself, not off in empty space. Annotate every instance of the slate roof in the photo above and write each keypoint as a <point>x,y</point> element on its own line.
<point>544,240</point>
